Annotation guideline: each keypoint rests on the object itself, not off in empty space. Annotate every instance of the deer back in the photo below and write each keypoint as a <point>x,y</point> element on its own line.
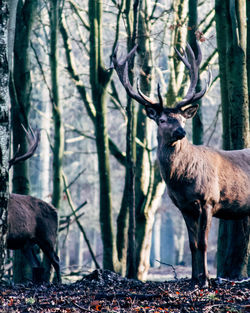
<point>30,219</point>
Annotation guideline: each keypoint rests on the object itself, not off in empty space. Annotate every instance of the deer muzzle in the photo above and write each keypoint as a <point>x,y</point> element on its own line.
<point>179,133</point>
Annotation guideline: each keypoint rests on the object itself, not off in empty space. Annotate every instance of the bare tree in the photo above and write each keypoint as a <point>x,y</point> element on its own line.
<point>4,129</point>
<point>233,250</point>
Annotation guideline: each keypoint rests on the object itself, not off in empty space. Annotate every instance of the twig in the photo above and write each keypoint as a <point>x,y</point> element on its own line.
<point>74,180</point>
<point>71,204</point>
<point>78,306</point>
<point>213,125</point>
<point>173,268</point>
<point>67,222</point>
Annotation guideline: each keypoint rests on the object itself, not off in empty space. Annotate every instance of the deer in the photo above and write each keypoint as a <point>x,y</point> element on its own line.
<point>203,182</point>
<point>31,220</point>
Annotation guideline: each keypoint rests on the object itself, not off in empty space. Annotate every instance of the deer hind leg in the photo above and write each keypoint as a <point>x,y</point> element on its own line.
<point>49,251</point>
<point>31,256</point>
<point>203,230</point>
<point>37,269</point>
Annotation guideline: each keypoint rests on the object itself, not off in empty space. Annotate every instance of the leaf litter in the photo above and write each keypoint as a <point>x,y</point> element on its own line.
<point>105,291</point>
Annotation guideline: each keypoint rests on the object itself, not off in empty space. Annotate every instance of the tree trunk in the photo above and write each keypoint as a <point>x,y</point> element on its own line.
<point>4,130</point>
<point>58,147</point>
<point>233,249</point>
<point>11,31</point>
<point>248,56</point>
<point>99,79</point>
<point>221,17</point>
<point>58,143</point>
<point>129,189</point>
<point>147,188</point>
<point>178,40</point>
<point>248,81</point>
<point>192,27</point>
<point>145,223</point>
<point>20,89</point>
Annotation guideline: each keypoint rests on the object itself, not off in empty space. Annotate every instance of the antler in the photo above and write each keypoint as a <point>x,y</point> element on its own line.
<point>188,58</point>
<point>121,67</point>
<point>33,138</point>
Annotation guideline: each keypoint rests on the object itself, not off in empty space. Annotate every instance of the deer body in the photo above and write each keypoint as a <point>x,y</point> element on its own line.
<point>32,221</point>
<point>200,174</point>
<point>202,182</point>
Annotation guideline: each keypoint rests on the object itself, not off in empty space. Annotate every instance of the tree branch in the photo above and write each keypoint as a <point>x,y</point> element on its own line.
<point>72,206</point>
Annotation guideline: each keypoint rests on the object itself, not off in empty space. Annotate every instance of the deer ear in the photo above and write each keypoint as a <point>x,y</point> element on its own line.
<point>152,113</point>
<point>189,110</point>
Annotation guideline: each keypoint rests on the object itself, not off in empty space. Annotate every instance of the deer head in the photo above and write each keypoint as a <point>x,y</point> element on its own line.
<point>170,121</point>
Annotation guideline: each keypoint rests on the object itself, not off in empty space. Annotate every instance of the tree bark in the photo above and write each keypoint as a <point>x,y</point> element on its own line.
<point>4,130</point>
<point>11,31</point>
<point>248,55</point>
<point>178,40</point>
<point>221,18</point>
<point>233,235</point>
<point>99,80</point>
<point>20,91</point>
<point>197,132</point>
<point>58,147</point>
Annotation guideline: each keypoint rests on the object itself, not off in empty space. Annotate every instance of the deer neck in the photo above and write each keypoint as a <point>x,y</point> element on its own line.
<point>173,158</point>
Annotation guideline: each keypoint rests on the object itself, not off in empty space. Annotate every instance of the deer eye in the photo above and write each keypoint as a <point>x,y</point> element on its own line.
<point>171,118</point>
<point>162,120</point>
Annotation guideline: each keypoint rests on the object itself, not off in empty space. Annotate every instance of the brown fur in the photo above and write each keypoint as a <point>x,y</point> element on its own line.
<point>32,221</point>
<point>202,182</point>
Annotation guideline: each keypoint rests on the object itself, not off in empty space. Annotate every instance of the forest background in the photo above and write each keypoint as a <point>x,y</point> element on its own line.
<point>96,162</point>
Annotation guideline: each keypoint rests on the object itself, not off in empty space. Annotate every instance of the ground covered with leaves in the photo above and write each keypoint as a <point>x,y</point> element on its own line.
<point>104,291</point>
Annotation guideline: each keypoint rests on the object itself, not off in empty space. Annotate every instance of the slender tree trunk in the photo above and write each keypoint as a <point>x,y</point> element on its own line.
<point>192,27</point>
<point>248,81</point>
<point>99,79</point>
<point>221,17</point>
<point>4,130</point>
<point>248,55</point>
<point>11,31</point>
<point>20,90</point>
<point>145,224</point>
<point>147,183</point>
<point>178,40</point>
<point>237,81</point>
<point>132,26</point>
<point>58,147</point>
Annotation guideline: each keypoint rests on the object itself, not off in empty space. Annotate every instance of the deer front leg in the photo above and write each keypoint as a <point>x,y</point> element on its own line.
<point>192,227</point>
<point>198,225</point>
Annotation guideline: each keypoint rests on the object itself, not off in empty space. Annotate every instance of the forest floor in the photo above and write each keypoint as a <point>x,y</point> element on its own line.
<point>105,291</point>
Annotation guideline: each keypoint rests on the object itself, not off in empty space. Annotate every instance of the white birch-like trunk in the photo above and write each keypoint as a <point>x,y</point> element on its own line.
<point>4,131</point>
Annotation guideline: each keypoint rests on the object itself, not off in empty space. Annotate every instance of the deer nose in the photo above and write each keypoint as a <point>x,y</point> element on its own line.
<point>179,133</point>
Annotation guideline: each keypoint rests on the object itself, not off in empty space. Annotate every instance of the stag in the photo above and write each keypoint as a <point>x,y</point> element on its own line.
<point>202,182</point>
<point>32,221</point>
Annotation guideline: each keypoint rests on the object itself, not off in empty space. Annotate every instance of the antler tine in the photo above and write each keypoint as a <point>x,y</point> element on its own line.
<point>193,65</point>
<point>199,56</point>
<point>121,67</point>
<point>183,57</point>
<point>33,139</point>
<point>201,93</point>
<point>159,95</point>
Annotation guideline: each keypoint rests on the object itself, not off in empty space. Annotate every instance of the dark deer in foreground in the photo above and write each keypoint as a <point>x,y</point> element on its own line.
<point>202,182</point>
<point>32,221</point>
